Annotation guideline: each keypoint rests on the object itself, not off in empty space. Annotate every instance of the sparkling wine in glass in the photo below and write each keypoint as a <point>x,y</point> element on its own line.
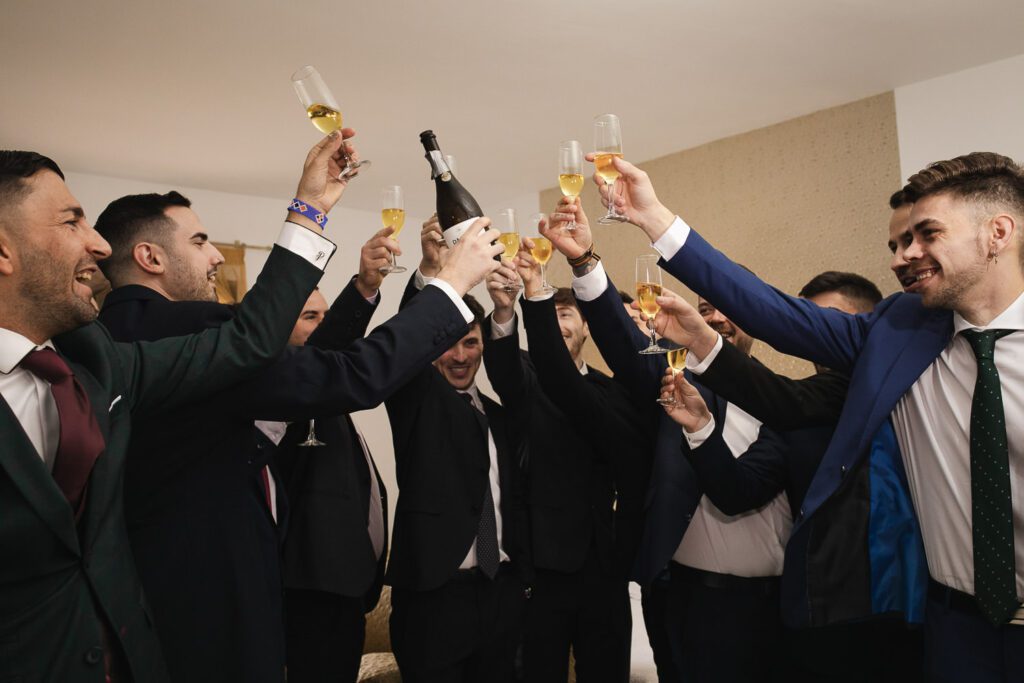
<point>392,214</point>
<point>570,172</point>
<point>648,288</point>
<point>509,238</point>
<point>677,362</point>
<point>608,146</point>
<point>322,109</point>
<point>541,251</point>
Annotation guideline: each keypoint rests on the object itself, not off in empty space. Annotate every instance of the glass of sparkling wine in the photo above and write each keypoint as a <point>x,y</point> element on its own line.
<point>392,214</point>
<point>677,361</point>
<point>570,172</point>
<point>607,146</point>
<point>322,109</point>
<point>648,288</point>
<point>509,239</point>
<point>541,251</point>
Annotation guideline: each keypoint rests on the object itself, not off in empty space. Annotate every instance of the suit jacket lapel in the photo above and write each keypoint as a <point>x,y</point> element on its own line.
<point>101,492</point>
<point>27,471</point>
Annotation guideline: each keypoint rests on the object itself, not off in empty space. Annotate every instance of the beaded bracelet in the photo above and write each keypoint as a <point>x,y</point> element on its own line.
<point>309,211</point>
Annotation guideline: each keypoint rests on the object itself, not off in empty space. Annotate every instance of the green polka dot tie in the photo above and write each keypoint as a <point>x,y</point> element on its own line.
<point>991,504</point>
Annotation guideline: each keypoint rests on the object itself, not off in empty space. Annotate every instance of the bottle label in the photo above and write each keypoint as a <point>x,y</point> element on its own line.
<point>453,234</point>
<point>440,166</point>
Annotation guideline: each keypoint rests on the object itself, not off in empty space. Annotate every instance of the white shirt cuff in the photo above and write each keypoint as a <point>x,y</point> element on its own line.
<point>698,367</point>
<point>592,285</point>
<point>502,330</point>
<point>540,297</point>
<point>673,239</point>
<point>696,439</point>
<point>419,280</point>
<point>372,300</point>
<point>305,243</point>
<point>467,314</point>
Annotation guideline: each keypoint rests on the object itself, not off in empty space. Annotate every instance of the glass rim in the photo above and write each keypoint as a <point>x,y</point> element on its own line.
<point>305,72</point>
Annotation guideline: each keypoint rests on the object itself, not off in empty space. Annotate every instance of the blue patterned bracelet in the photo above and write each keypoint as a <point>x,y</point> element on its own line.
<point>309,211</point>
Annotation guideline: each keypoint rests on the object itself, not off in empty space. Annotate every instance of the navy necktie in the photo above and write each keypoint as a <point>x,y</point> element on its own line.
<point>487,555</point>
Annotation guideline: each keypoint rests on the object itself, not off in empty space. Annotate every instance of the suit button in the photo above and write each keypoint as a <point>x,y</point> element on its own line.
<point>842,470</point>
<point>94,655</point>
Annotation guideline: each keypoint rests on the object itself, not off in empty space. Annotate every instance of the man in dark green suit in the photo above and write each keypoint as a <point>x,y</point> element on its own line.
<point>71,606</point>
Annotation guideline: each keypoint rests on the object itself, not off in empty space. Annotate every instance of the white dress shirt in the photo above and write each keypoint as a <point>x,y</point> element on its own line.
<point>750,544</point>
<point>493,480</point>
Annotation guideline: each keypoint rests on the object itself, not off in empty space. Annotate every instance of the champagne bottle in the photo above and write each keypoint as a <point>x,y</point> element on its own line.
<point>456,208</point>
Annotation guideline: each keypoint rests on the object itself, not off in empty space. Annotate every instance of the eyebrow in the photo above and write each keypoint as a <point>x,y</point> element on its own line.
<point>201,236</point>
<point>75,211</point>
<point>924,223</point>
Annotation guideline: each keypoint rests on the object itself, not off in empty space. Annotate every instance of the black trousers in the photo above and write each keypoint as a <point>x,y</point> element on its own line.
<point>585,610</point>
<point>723,628</point>
<point>961,646</point>
<point>324,636</point>
<point>654,602</point>
<point>880,650</point>
<point>466,631</point>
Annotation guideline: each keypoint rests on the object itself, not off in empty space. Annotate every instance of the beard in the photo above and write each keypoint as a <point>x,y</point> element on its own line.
<point>951,294</point>
<point>188,284</point>
<point>49,295</point>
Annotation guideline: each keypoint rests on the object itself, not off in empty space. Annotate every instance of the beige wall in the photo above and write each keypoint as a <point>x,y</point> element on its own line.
<point>788,201</point>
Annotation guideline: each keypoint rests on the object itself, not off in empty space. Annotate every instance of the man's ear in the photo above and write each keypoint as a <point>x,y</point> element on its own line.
<point>150,257</point>
<point>6,254</point>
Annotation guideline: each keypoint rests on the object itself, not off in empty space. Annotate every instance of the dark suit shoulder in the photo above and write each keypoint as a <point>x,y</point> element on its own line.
<point>136,313</point>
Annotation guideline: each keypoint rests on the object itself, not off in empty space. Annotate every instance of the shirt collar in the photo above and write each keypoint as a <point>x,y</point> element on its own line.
<point>473,394</point>
<point>14,347</point>
<point>583,369</point>
<point>1010,319</point>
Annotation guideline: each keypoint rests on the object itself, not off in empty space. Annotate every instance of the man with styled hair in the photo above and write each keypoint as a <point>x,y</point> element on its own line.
<point>936,375</point>
<point>72,603</point>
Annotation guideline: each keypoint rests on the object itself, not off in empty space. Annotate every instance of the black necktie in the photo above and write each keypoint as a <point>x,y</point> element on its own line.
<point>81,440</point>
<point>991,503</point>
<point>487,557</point>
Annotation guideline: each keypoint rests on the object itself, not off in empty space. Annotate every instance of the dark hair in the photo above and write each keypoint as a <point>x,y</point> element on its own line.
<point>626,298</point>
<point>979,176</point>
<point>857,288</point>
<point>15,168</point>
<point>898,199</point>
<point>132,219</point>
<point>564,297</point>
<point>475,308</point>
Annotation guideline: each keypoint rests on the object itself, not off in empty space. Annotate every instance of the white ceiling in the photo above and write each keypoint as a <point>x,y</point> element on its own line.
<point>197,93</point>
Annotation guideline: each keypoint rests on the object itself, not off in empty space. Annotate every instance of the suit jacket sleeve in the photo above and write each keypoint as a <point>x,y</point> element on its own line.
<point>346,321</point>
<point>171,372</point>
<point>790,324</point>
<point>308,382</point>
<point>508,371</point>
<point>737,485</point>
<point>619,341</point>
<point>779,402</point>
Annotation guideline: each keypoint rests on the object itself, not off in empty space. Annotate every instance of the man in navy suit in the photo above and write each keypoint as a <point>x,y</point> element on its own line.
<point>929,382</point>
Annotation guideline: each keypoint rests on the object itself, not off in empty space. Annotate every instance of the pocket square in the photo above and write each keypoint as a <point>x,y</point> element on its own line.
<point>114,403</point>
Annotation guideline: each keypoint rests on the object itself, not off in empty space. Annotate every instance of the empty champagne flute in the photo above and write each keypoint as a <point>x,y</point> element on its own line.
<point>648,288</point>
<point>322,109</point>
<point>509,239</point>
<point>570,173</point>
<point>392,213</point>
<point>677,362</point>
<point>608,146</point>
<point>541,251</point>
<point>311,439</point>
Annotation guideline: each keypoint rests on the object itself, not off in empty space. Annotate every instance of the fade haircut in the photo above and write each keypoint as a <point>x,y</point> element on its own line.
<point>132,219</point>
<point>16,168</point>
<point>984,177</point>
<point>475,308</point>
<point>857,288</point>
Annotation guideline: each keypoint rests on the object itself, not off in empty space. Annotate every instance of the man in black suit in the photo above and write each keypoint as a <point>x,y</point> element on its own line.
<point>722,615</point>
<point>199,506</point>
<point>72,602</point>
<point>585,481</point>
<point>456,565</point>
<point>336,545</point>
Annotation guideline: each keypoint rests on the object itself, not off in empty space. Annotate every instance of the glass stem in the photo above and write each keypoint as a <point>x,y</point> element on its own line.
<point>650,326</point>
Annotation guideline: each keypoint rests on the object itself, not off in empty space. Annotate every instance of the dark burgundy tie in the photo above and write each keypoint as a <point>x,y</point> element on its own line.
<point>81,440</point>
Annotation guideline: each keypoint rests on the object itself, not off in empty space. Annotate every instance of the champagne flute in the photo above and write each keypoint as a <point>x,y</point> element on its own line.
<point>677,362</point>
<point>648,288</point>
<point>570,173</point>
<point>392,213</point>
<point>541,251</point>
<point>509,239</point>
<point>311,439</point>
<point>608,146</point>
<point>322,109</point>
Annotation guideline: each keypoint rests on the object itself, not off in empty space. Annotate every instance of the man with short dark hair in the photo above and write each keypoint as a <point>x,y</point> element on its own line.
<point>457,565</point>
<point>202,507</point>
<point>935,371</point>
<point>73,605</point>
